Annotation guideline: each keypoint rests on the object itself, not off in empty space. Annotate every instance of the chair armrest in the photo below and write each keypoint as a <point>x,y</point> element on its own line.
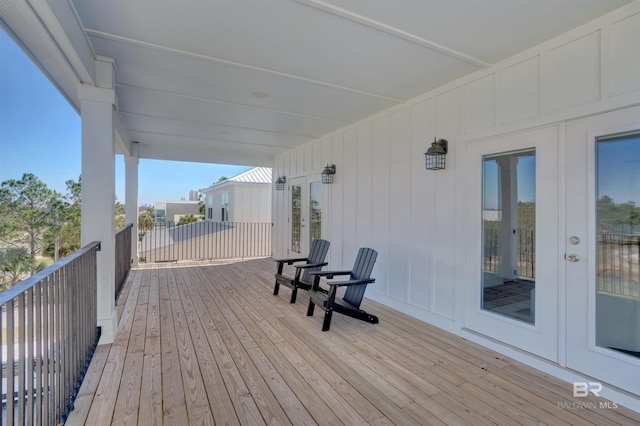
<point>330,274</point>
<point>290,261</point>
<point>311,265</point>
<point>351,282</point>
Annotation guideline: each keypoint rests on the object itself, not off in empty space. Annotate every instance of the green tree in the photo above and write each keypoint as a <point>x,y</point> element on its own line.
<point>15,265</point>
<point>184,220</point>
<point>145,221</point>
<point>26,207</point>
<point>120,218</point>
<point>63,237</point>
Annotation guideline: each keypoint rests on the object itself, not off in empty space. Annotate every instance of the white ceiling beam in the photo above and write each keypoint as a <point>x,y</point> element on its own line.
<point>396,32</point>
<point>62,23</point>
<point>167,49</point>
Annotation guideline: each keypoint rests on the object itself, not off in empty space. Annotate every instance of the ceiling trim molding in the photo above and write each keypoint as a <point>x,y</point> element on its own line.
<point>377,25</point>
<point>214,140</point>
<point>235,104</point>
<point>213,124</point>
<point>206,58</point>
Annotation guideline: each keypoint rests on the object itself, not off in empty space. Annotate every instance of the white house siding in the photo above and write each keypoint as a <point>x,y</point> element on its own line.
<point>382,195</point>
<point>248,202</point>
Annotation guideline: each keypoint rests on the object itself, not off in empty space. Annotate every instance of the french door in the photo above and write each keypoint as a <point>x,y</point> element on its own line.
<point>305,214</point>
<point>603,247</point>
<point>298,217</point>
<point>513,251</point>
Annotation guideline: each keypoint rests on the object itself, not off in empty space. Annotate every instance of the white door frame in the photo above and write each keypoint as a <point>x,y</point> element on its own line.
<point>582,354</point>
<point>540,338</point>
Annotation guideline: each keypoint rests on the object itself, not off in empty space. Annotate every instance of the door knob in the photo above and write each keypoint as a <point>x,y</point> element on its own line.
<point>573,258</point>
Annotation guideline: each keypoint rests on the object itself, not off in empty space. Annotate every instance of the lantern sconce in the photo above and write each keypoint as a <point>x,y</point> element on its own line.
<point>280,183</point>
<point>328,172</point>
<point>436,155</point>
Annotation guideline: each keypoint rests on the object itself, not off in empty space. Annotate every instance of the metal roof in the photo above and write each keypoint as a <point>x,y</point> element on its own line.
<point>255,175</point>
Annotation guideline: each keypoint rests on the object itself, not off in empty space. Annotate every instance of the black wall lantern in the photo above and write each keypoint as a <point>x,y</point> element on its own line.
<point>328,172</point>
<point>280,183</point>
<point>436,155</point>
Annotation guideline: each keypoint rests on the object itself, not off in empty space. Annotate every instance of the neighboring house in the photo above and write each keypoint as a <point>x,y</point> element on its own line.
<point>170,212</point>
<point>242,198</point>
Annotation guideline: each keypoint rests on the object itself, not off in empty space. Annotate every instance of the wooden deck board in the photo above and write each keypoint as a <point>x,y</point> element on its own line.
<point>205,343</point>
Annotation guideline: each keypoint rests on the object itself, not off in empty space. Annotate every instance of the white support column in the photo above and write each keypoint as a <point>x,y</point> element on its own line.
<point>98,192</point>
<point>131,198</point>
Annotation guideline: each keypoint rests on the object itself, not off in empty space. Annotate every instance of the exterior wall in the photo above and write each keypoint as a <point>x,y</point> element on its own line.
<point>247,202</point>
<point>382,195</point>
<point>181,208</point>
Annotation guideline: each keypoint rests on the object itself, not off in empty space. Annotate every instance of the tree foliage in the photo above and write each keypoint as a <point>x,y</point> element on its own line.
<point>184,220</point>
<point>15,265</point>
<point>617,218</point>
<point>66,223</point>
<point>146,221</point>
<point>26,207</point>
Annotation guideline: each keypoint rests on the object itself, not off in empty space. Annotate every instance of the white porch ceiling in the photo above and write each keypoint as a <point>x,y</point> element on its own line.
<point>187,71</point>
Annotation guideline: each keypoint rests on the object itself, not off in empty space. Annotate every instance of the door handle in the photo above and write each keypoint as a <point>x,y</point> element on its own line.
<point>573,258</point>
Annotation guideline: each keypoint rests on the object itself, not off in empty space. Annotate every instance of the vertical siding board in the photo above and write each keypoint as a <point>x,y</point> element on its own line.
<point>336,190</point>
<point>421,206</point>
<point>400,220</point>
<point>364,185</point>
<point>623,67</point>
<point>572,73</point>
<point>349,175</point>
<point>380,216</point>
<point>448,108</point>
<point>327,202</point>
<point>308,158</point>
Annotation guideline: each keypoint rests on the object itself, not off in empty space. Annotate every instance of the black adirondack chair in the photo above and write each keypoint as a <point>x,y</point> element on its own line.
<point>302,279</point>
<point>349,305</point>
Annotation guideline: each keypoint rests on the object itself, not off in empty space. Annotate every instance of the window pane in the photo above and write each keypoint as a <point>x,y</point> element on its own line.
<point>508,234</point>
<point>618,242</point>
<point>296,217</point>
<point>315,197</point>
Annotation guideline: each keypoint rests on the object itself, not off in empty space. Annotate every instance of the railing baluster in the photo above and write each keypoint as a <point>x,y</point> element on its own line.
<point>10,362</point>
<point>22,356</point>
<point>38,353</point>
<point>31,356</point>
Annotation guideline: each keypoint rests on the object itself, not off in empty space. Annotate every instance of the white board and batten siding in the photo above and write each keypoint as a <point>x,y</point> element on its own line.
<point>384,198</point>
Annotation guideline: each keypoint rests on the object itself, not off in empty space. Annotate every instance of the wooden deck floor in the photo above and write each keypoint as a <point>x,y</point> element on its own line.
<point>208,343</point>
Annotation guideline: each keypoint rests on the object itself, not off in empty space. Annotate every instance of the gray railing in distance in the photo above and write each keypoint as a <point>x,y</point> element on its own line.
<point>619,264</point>
<point>123,256</point>
<point>206,240</point>
<point>526,252</point>
<point>48,332</point>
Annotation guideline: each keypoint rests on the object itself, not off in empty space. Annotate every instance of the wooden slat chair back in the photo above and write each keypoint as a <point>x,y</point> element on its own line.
<point>365,260</point>
<point>349,304</point>
<point>302,279</point>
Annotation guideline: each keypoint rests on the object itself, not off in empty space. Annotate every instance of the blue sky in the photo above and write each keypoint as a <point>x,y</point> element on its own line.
<point>40,134</point>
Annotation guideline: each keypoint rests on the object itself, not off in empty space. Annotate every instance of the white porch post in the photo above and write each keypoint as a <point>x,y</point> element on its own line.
<point>131,198</point>
<point>98,189</point>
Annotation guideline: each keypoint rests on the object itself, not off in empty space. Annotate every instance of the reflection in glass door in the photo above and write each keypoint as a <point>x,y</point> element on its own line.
<point>618,243</point>
<point>296,217</point>
<point>315,210</point>
<point>508,234</point>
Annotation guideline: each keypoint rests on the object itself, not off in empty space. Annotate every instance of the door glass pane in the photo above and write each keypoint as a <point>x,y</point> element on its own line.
<point>315,198</point>
<point>296,217</point>
<point>509,234</point>
<point>618,243</point>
